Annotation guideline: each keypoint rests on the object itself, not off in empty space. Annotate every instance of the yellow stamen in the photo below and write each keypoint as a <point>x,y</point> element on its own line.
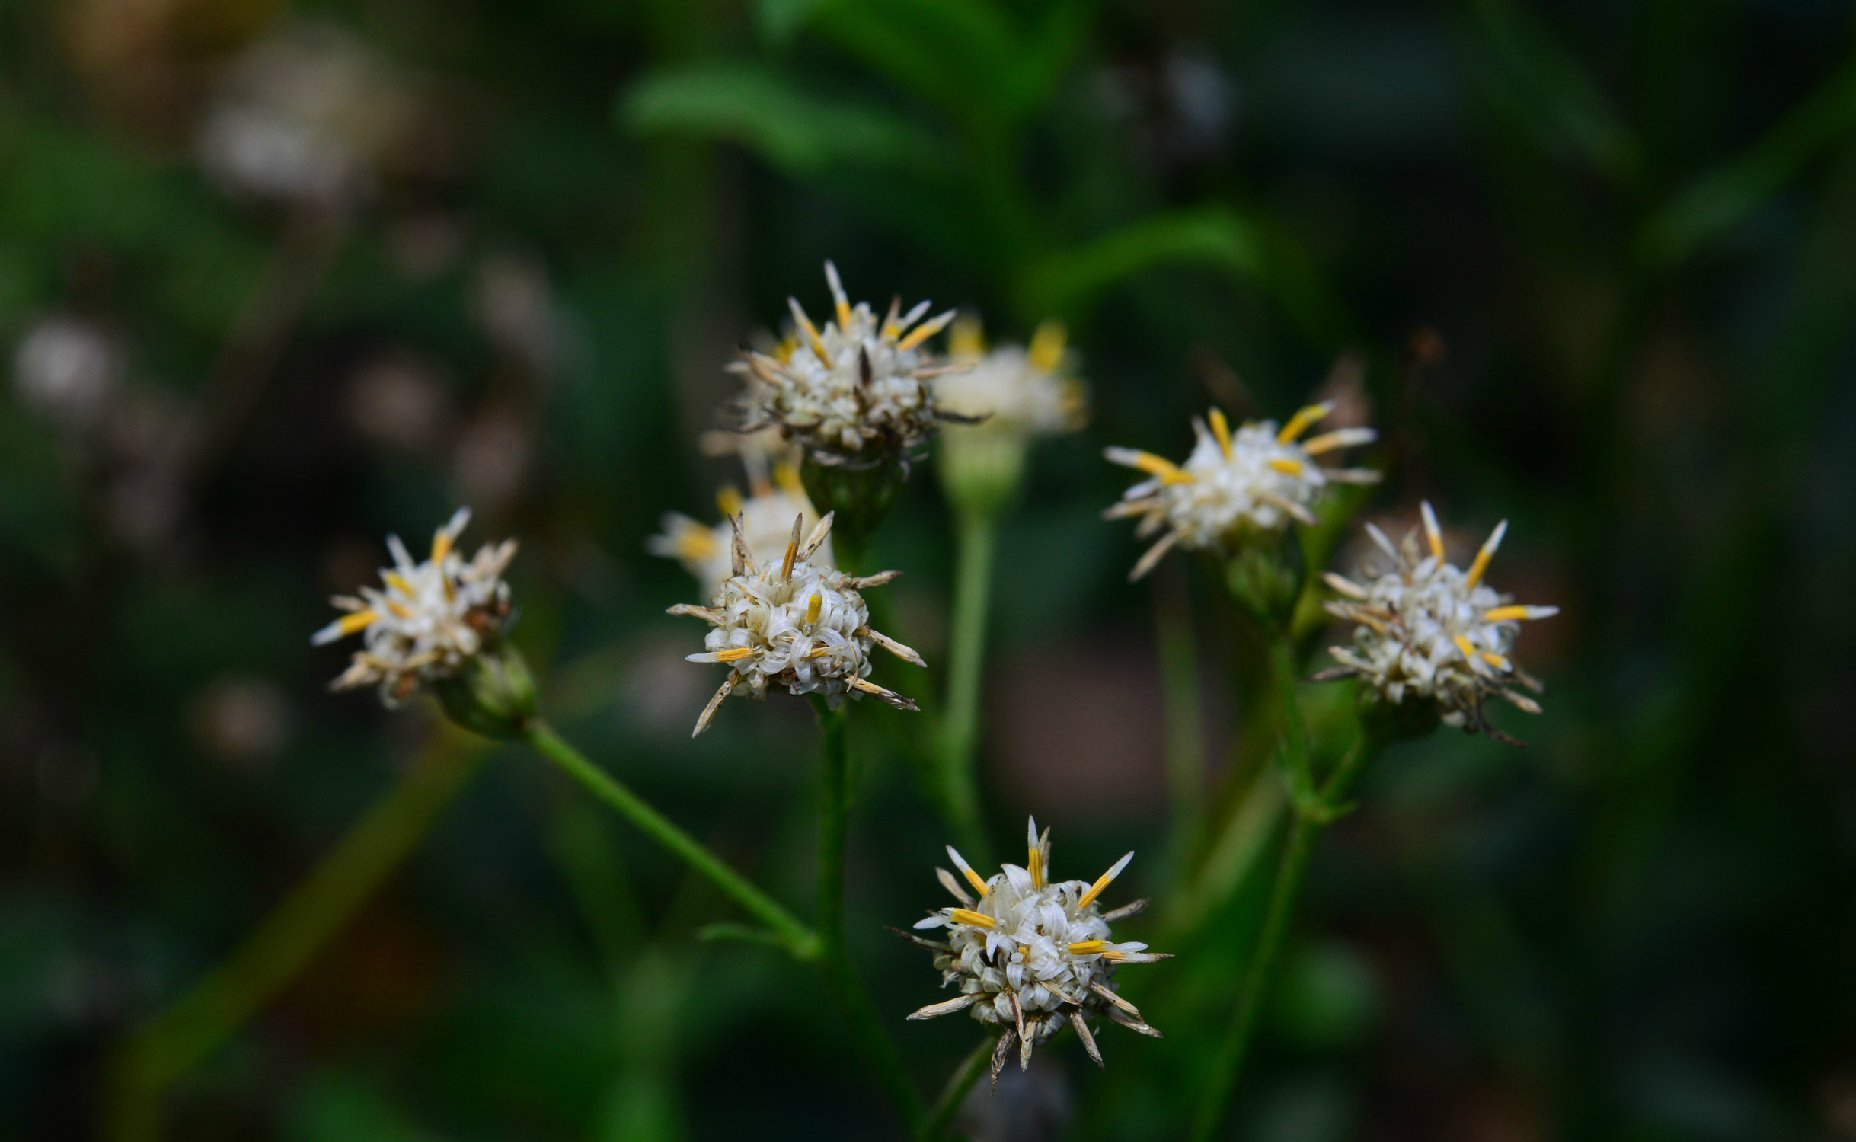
<point>787,478</point>
<point>398,582</point>
<point>783,352</point>
<point>399,611</point>
<point>1481,564</point>
<point>1221,428</point>
<point>728,498</point>
<point>441,546</point>
<point>1285,465</point>
<point>924,331</point>
<point>1088,947</point>
<point>1095,890</point>
<point>1432,533</point>
<point>970,917</point>
<point>792,553</point>
<point>696,543</point>
<point>1495,660</point>
<point>358,621</point>
<point>813,606</point>
<point>818,652</point>
<point>1046,351</point>
<point>1035,866</point>
<point>1165,470</point>
<point>965,341</point>
<point>733,654</point>
<point>1303,419</point>
<point>1506,614</point>
<point>1463,644</point>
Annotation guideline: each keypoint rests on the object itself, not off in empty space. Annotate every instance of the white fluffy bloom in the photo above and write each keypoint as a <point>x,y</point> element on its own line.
<point>428,619</point>
<point>855,392</point>
<point>1029,954</point>
<point>1431,632</point>
<point>766,521</point>
<point>1018,389</point>
<point>1235,485</point>
<point>796,625</point>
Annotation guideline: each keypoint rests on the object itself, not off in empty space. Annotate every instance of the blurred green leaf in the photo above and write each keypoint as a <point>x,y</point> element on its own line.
<point>1543,89</point>
<point>799,131</point>
<point>957,54</point>
<point>1071,281</point>
<point>1722,198</point>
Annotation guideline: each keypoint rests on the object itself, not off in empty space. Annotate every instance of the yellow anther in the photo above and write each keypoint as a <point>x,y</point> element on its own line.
<point>728,498</point>
<point>398,582</point>
<point>696,543</point>
<point>733,654</point>
<point>1103,882</point>
<point>786,477</point>
<point>925,330</point>
<point>1507,614</point>
<point>1285,465</point>
<point>783,352</point>
<point>1221,428</point>
<point>1481,564</point>
<point>1088,948</point>
<point>965,341</point>
<point>441,546</point>
<point>1433,535</point>
<point>1495,660</point>
<point>358,621</point>
<point>1046,351</point>
<point>813,606</point>
<point>1035,866</point>
<point>971,918</point>
<point>1303,419</point>
<point>399,611</point>
<point>1165,470</point>
<point>1463,644</point>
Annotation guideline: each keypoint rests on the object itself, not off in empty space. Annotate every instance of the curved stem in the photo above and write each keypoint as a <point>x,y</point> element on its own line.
<point>834,818</point>
<point>1294,730</point>
<point>955,1093</point>
<point>176,1039</point>
<point>1310,818</point>
<point>974,546</point>
<point>793,934</point>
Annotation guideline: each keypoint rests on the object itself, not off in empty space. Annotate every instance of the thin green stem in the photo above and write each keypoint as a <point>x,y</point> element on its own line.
<point>1309,819</point>
<point>955,1092</point>
<point>975,543</point>
<point>1185,747</point>
<point>176,1039</point>
<point>795,935</point>
<point>833,822</point>
<point>1294,730</point>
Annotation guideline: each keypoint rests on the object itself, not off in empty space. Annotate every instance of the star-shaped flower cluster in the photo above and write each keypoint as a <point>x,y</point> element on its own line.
<point>1429,631</point>
<point>796,625</point>
<point>1235,485</point>
<point>427,619</point>
<point>1030,955</point>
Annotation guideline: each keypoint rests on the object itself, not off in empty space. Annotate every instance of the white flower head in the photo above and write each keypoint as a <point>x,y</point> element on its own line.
<point>795,624</point>
<point>1429,631</point>
<point>428,619</point>
<point>1030,954</point>
<point>1023,390</point>
<point>855,392</point>
<point>1236,485</point>
<point>766,515</point>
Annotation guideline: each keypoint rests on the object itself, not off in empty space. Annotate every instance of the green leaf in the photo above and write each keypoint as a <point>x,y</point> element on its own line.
<point>958,54</point>
<point>801,132</point>
<point>1721,199</point>
<point>1072,280</point>
<point>1542,88</point>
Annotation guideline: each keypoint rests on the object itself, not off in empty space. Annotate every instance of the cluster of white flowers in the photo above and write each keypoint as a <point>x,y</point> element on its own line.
<point>796,625</point>
<point>1431,632</point>
<point>1235,485</point>
<point>1029,954</point>
<point>429,619</point>
<point>855,392</point>
<point>1019,389</point>
<point>766,517</point>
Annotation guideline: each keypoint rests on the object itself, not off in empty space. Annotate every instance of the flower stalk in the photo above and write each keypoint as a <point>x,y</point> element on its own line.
<point>976,542</point>
<point>799,940</point>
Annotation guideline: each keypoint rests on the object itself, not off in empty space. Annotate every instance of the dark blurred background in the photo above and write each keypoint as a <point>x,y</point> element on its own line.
<point>276,280</point>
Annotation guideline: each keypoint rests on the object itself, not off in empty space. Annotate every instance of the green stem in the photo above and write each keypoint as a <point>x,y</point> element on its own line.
<point>1185,748</point>
<point>187,1031</point>
<point>1310,818</point>
<point>975,544</point>
<point>1294,731</point>
<point>833,821</point>
<point>955,1093</point>
<point>798,939</point>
